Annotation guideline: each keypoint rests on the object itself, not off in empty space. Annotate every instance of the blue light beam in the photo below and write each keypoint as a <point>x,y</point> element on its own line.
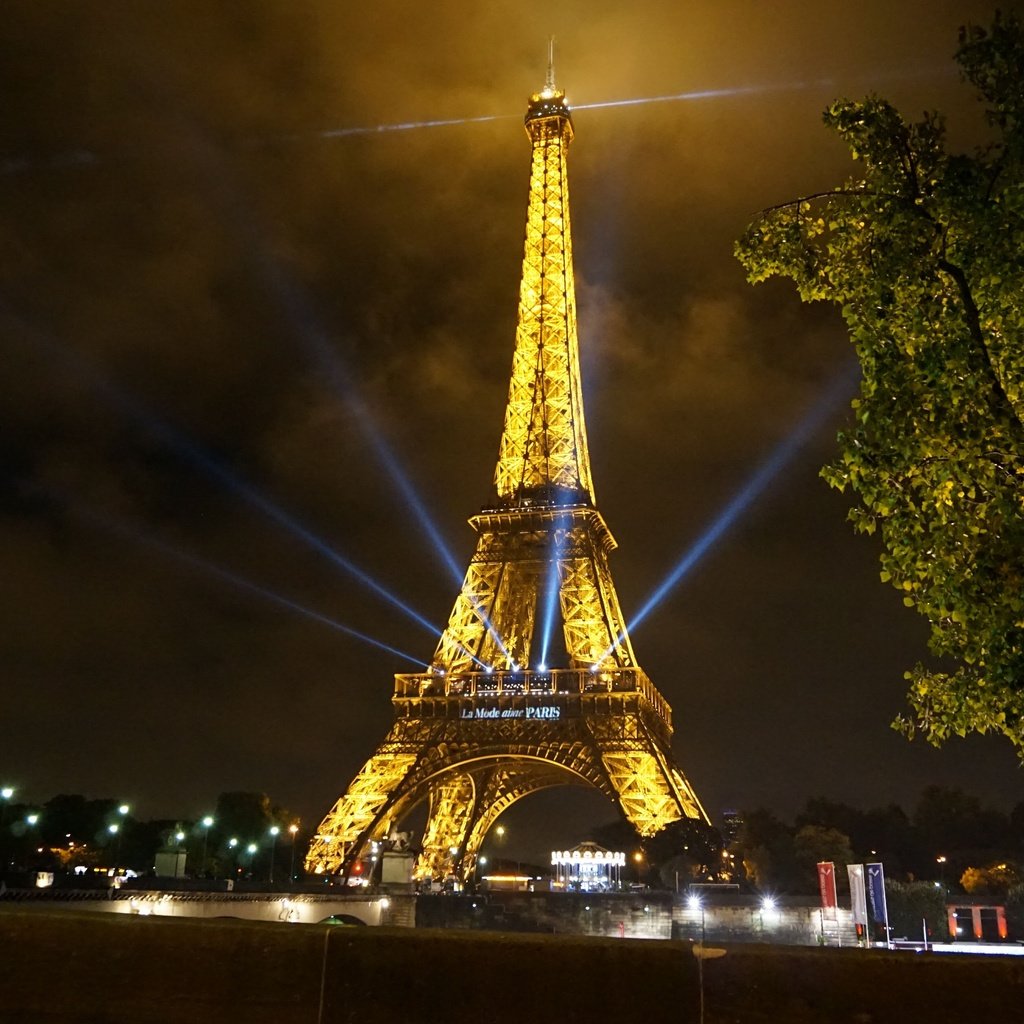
<point>301,313</point>
<point>123,529</point>
<point>192,453</point>
<point>839,390</point>
<point>552,590</point>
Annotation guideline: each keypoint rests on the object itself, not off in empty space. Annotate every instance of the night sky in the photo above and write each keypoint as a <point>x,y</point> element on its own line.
<point>221,304</point>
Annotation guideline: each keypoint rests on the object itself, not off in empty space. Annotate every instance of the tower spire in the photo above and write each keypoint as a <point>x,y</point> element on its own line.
<point>549,83</point>
<point>543,457</point>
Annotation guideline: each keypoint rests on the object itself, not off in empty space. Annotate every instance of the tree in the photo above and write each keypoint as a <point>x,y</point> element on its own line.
<point>247,818</point>
<point>813,844</point>
<point>951,823</point>
<point>910,904</point>
<point>924,255</point>
<point>994,881</point>
<point>765,848</point>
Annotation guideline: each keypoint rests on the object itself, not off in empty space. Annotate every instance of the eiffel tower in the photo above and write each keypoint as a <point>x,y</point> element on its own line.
<point>492,721</point>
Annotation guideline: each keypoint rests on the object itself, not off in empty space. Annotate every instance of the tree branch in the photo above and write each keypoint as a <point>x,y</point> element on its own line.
<point>974,326</point>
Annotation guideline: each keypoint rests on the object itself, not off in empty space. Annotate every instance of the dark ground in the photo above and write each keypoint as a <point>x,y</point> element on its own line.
<point>104,969</point>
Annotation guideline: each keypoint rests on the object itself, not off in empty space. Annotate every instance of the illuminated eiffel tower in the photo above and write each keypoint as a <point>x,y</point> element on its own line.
<point>492,721</point>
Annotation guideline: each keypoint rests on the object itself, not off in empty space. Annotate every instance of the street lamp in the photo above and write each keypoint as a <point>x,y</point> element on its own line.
<point>696,903</point>
<point>7,792</point>
<point>31,820</point>
<point>115,830</point>
<point>274,832</point>
<point>293,828</point>
<point>251,850</point>
<point>206,823</point>
<point>638,862</point>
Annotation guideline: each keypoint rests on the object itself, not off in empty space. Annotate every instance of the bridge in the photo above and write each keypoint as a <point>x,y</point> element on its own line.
<point>397,910</point>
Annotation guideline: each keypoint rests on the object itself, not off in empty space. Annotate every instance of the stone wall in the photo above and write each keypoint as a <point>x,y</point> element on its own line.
<point>636,916</point>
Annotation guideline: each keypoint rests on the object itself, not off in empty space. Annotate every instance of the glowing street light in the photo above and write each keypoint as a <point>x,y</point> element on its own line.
<point>293,828</point>
<point>7,792</point>
<point>274,832</point>
<point>206,823</point>
<point>695,903</point>
<point>115,830</point>
<point>32,819</point>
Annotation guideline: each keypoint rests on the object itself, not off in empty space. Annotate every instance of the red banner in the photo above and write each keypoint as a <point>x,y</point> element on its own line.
<point>827,884</point>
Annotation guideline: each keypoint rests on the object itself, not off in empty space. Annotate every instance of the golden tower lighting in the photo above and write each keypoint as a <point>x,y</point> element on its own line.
<point>487,725</point>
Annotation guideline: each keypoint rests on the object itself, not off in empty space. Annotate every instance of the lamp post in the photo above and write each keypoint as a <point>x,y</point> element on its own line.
<point>638,860</point>
<point>31,820</point>
<point>7,792</point>
<point>118,829</point>
<point>115,830</point>
<point>293,828</point>
<point>274,832</point>
<point>251,850</point>
<point>696,903</point>
<point>206,823</point>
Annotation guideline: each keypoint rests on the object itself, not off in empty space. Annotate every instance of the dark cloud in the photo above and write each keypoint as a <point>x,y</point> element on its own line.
<point>198,267</point>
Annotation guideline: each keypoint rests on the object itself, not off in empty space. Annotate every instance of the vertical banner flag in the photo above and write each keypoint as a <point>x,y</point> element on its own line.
<point>827,884</point>
<point>858,902</point>
<point>876,898</point>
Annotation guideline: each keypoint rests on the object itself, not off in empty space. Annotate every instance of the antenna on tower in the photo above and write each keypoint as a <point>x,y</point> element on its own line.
<point>549,84</point>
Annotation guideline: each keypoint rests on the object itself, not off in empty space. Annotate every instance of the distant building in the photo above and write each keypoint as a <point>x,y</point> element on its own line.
<point>732,825</point>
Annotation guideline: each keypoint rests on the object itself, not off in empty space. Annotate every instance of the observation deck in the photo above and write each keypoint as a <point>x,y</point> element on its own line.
<point>532,696</point>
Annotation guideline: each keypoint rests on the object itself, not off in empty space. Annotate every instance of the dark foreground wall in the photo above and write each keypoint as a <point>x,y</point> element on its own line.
<point>58,967</point>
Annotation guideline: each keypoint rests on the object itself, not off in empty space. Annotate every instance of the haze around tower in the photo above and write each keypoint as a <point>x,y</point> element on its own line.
<point>198,243</point>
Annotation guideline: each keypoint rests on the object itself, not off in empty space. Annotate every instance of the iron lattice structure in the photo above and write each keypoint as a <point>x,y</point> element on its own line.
<point>487,725</point>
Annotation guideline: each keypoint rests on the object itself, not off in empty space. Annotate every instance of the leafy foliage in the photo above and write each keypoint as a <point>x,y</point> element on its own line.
<point>813,844</point>
<point>924,255</point>
<point>911,903</point>
<point>994,881</point>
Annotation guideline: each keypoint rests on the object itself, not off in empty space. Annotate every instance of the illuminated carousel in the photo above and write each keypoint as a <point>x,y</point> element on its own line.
<point>588,868</point>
